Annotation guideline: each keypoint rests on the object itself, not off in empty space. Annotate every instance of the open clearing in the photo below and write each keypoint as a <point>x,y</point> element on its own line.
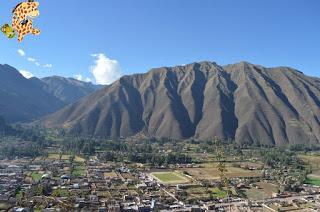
<point>169,177</point>
<point>210,172</point>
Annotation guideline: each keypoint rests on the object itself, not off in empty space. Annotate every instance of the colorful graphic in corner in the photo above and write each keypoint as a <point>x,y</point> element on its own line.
<point>22,20</point>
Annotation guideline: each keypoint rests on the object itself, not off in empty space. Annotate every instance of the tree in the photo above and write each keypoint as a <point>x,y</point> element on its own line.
<point>221,165</point>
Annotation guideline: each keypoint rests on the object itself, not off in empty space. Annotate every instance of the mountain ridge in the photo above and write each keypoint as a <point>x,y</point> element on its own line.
<point>28,99</point>
<point>243,102</point>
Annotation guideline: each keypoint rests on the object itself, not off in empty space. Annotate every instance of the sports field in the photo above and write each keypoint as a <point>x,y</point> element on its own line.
<point>169,177</point>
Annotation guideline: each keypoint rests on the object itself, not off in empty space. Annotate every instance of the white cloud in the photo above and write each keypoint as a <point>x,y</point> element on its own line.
<point>78,77</point>
<point>81,78</point>
<point>26,74</point>
<point>105,70</point>
<point>47,66</point>
<point>21,52</point>
<point>31,59</point>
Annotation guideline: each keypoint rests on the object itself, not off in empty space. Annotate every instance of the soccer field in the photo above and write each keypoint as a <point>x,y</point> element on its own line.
<point>169,177</point>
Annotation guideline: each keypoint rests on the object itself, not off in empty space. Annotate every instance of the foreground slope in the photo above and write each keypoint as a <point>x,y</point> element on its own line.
<point>244,102</point>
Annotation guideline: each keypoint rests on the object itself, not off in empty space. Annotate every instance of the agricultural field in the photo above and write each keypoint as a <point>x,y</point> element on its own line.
<point>65,157</point>
<point>205,194</point>
<point>313,161</point>
<point>169,177</point>
<point>56,156</point>
<point>61,193</point>
<point>79,159</point>
<point>218,193</point>
<point>210,172</point>
<point>36,176</point>
<point>109,175</point>
<point>313,180</point>
<point>262,191</point>
<point>53,156</point>
<point>79,171</point>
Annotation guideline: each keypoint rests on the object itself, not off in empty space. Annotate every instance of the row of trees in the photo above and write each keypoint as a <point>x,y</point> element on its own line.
<point>12,150</point>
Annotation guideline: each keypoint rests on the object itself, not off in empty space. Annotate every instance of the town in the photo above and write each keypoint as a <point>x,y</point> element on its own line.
<point>114,180</point>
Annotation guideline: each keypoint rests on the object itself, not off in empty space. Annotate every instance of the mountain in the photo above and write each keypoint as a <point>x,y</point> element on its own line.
<point>245,102</point>
<point>21,99</point>
<point>67,90</point>
<point>29,99</point>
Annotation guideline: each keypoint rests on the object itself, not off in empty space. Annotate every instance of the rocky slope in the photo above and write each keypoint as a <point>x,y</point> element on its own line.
<point>244,102</point>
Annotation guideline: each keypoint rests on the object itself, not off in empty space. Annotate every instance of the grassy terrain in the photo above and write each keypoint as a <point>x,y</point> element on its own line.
<point>61,193</point>
<point>79,171</point>
<point>36,176</point>
<point>313,181</point>
<point>219,193</point>
<point>169,177</point>
<point>203,193</point>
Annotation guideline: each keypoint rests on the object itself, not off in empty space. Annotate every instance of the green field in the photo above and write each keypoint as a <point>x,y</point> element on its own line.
<point>219,193</point>
<point>36,176</point>
<point>61,193</point>
<point>313,181</point>
<point>169,177</point>
<point>79,171</point>
<point>201,193</point>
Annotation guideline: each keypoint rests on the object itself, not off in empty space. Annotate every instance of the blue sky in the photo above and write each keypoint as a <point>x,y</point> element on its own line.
<point>114,37</point>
